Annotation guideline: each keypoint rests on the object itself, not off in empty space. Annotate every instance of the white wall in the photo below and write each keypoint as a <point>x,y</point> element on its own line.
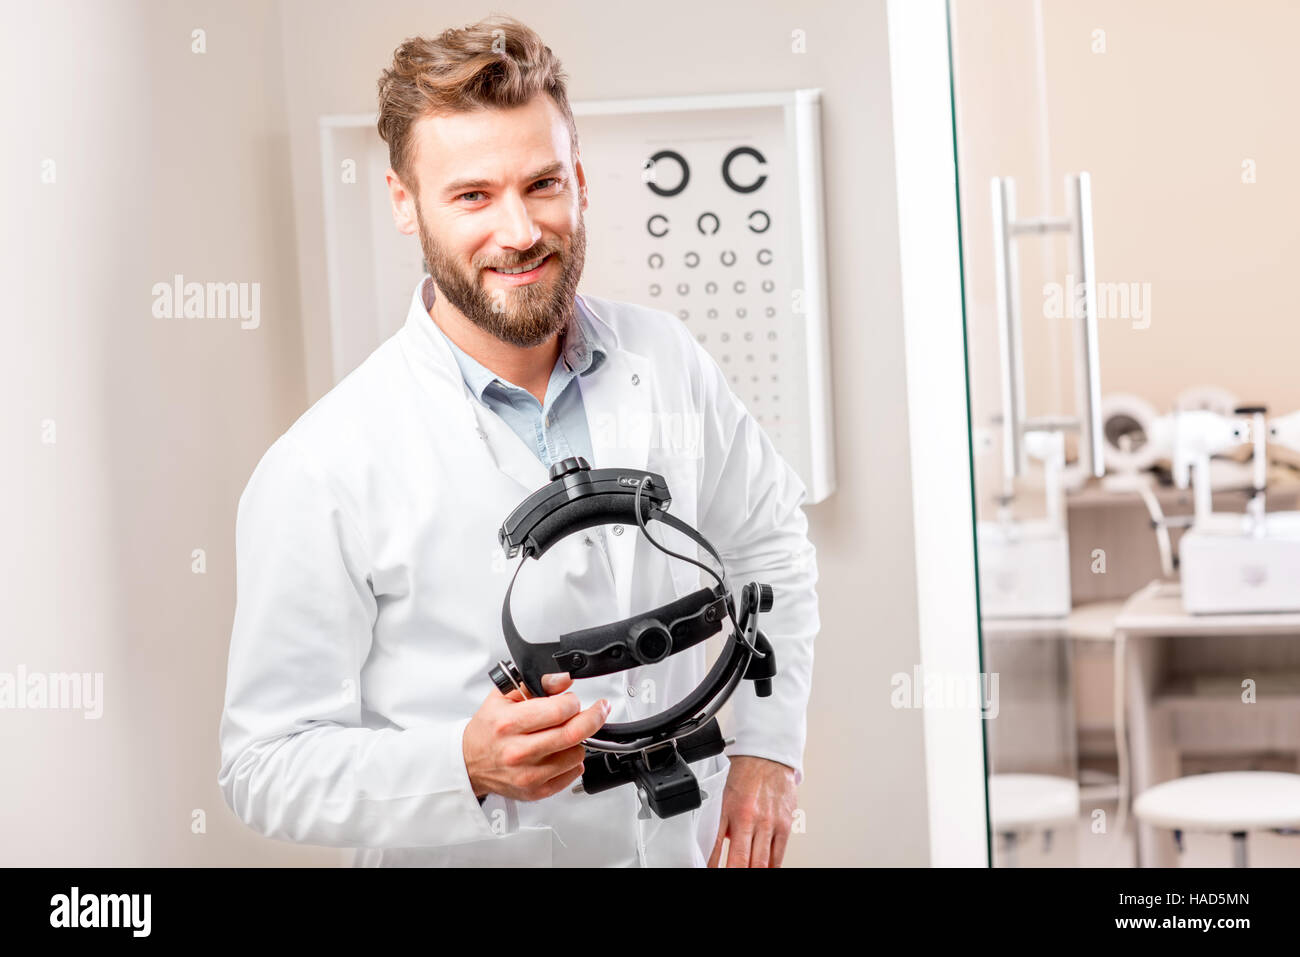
<point>166,161</point>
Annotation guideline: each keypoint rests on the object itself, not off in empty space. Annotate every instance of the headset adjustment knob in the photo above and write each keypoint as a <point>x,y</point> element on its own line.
<point>506,676</point>
<point>651,641</point>
<point>575,463</point>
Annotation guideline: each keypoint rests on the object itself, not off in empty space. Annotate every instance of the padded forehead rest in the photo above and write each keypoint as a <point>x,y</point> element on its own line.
<point>577,499</point>
<point>601,508</point>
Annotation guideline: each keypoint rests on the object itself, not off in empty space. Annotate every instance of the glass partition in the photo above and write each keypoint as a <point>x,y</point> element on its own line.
<point>1128,205</point>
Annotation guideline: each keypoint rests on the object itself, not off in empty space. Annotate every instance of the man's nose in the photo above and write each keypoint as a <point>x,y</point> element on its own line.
<point>515,228</point>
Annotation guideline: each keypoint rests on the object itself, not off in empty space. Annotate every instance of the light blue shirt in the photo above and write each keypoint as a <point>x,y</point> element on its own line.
<point>557,428</point>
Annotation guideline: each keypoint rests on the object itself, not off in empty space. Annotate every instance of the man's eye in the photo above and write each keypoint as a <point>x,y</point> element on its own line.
<point>549,179</point>
<point>471,196</point>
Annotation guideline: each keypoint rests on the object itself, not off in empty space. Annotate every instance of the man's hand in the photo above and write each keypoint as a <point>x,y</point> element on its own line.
<point>758,808</point>
<point>529,749</point>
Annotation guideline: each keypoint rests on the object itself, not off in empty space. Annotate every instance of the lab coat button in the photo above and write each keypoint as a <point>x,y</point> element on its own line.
<point>636,379</point>
<point>631,691</point>
<point>618,529</point>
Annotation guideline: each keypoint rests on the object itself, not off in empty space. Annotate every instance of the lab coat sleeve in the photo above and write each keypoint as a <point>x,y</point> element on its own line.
<point>751,510</point>
<point>297,762</point>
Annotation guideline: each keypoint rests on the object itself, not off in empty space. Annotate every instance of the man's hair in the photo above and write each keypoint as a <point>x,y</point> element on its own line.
<point>496,63</point>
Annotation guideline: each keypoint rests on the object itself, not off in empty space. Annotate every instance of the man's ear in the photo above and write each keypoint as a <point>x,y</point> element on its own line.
<point>403,202</point>
<point>581,175</point>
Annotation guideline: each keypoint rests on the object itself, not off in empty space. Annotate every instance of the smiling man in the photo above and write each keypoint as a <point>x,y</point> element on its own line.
<point>358,707</point>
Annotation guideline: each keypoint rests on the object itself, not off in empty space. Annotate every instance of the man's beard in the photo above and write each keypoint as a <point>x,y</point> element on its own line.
<point>524,316</point>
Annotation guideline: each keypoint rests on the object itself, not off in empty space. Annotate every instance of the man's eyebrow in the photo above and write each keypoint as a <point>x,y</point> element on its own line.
<point>464,185</point>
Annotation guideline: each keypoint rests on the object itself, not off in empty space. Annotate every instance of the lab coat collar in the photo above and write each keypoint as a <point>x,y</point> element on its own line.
<point>616,400</point>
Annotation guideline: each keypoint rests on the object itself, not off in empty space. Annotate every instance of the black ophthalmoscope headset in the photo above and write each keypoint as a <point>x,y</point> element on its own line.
<point>653,753</point>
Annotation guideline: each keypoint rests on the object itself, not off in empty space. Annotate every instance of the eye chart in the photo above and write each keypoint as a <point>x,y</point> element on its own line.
<point>710,208</point>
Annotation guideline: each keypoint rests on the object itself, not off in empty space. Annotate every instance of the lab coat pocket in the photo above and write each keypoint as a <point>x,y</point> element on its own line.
<point>708,816</point>
<point>686,839</point>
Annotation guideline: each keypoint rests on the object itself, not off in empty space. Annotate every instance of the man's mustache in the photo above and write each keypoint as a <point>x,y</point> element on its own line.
<point>530,257</point>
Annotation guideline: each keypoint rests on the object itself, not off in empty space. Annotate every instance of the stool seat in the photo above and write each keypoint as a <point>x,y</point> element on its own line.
<point>1020,801</point>
<point>1224,801</point>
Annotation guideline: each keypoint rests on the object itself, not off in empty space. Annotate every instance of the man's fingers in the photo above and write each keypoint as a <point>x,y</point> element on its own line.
<point>761,850</point>
<point>739,851</point>
<point>576,729</point>
<point>553,775</point>
<point>552,684</point>
<point>561,781</point>
<point>538,713</point>
<point>562,762</point>
<point>559,762</point>
<point>716,856</point>
<point>556,683</point>
<point>779,840</point>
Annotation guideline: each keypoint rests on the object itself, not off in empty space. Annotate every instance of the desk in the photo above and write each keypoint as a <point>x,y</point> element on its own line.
<point>1089,623</point>
<point>1196,695</point>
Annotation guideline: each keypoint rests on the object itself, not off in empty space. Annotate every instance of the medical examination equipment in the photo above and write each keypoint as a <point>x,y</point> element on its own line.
<point>654,753</point>
<point>1134,437</point>
<point>1137,439</point>
<point>1197,436</point>
<point>1229,561</point>
<point>1210,398</point>
<point>1024,563</point>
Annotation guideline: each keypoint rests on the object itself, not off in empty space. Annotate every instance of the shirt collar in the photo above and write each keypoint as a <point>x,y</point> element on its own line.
<point>582,352</point>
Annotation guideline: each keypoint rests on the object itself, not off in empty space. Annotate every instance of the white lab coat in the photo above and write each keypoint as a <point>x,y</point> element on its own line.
<point>370,583</point>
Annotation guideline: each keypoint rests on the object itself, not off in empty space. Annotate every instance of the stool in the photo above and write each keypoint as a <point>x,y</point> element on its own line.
<point>1224,802</point>
<point>1030,802</point>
